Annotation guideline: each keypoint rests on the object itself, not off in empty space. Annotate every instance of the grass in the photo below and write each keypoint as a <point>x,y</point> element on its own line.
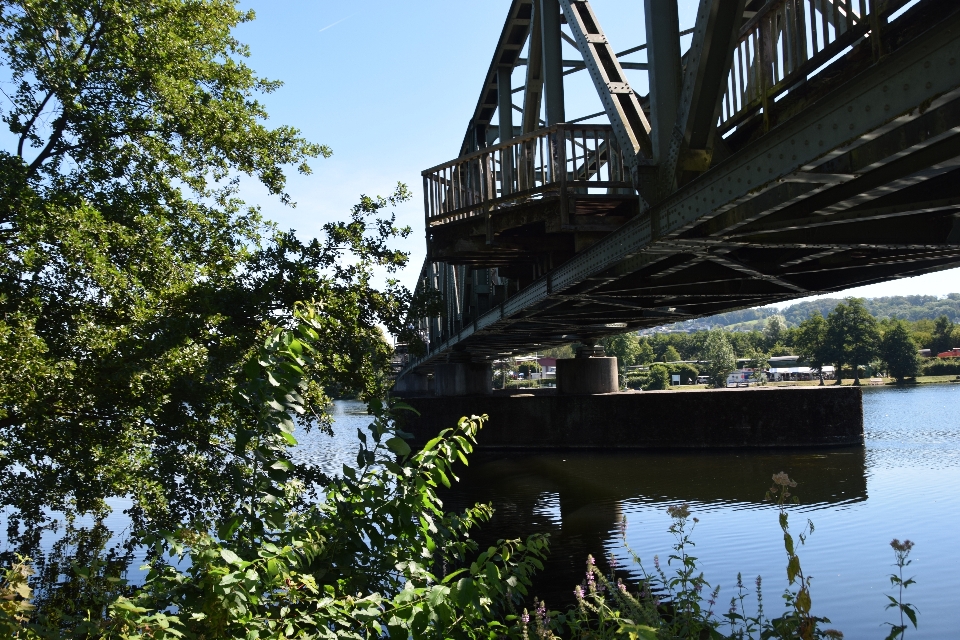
<point>847,382</point>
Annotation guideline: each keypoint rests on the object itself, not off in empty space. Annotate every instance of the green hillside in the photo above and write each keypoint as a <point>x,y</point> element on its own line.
<point>911,308</point>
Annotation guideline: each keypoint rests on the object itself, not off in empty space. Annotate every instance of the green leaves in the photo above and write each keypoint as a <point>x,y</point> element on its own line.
<point>399,446</point>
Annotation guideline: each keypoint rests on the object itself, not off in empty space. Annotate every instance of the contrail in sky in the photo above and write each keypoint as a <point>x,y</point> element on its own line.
<point>333,25</point>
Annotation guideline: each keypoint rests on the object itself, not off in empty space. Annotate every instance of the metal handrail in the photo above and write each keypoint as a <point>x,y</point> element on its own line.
<point>787,40</point>
<point>564,158</point>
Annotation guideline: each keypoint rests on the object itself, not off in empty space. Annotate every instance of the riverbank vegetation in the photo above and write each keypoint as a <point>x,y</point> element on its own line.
<point>849,338</point>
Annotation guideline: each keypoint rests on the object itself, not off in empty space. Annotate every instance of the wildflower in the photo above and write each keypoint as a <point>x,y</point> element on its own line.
<point>591,560</point>
<point>525,618</point>
<point>783,480</point>
<point>578,592</point>
<point>656,562</point>
<point>713,600</point>
<point>621,586</point>
<point>901,547</point>
<point>680,512</point>
<point>623,526</point>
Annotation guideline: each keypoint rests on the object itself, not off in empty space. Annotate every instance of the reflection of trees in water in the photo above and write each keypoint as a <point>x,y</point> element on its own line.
<point>58,589</point>
<point>575,496</point>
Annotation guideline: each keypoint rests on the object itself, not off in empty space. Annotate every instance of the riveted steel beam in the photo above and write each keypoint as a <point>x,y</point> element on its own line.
<point>663,56</point>
<point>704,82</point>
<point>533,86</point>
<point>630,125</point>
<point>516,28</point>
<point>552,61</point>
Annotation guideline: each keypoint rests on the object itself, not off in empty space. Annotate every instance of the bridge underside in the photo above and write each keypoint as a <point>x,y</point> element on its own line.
<point>851,178</point>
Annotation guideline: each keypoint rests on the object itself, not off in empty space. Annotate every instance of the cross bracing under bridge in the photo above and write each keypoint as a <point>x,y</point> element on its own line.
<point>796,147</point>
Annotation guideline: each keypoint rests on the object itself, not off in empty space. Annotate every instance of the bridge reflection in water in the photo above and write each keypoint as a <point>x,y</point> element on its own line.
<point>580,498</point>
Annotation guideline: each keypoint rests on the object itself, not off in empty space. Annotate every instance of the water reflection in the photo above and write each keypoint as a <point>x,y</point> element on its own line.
<point>578,498</point>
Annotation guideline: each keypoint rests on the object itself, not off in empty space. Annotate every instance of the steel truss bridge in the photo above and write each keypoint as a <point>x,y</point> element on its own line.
<point>796,147</point>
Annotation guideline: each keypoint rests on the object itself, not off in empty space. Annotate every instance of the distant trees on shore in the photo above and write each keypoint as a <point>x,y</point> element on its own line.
<point>848,337</point>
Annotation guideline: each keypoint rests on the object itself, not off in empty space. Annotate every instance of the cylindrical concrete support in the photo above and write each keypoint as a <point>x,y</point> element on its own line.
<point>463,379</point>
<point>412,384</point>
<point>587,376</point>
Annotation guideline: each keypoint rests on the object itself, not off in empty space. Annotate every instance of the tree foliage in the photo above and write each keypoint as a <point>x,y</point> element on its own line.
<point>133,281</point>
<point>811,342</point>
<point>625,347</point>
<point>899,353</point>
<point>943,331</point>
<point>659,378</point>
<point>721,359</point>
<point>774,330</point>
<point>377,554</point>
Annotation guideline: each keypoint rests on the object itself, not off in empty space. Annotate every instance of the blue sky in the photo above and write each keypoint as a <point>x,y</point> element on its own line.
<point>389,86</point>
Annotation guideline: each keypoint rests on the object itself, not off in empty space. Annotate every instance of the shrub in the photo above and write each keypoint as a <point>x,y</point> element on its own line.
<point>687,372</point>
<point>942,367</point>
<point>659,378</point>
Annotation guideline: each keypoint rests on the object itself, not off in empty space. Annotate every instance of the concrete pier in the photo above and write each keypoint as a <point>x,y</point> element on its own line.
<point>709,418</point>
<point>591,372</point>
<point>463,379</point>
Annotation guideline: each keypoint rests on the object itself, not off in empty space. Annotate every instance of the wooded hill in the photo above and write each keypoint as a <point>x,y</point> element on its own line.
<point>910,308</point>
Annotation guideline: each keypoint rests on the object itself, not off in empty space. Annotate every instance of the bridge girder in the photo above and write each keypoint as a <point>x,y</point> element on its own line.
<point>851,177</point>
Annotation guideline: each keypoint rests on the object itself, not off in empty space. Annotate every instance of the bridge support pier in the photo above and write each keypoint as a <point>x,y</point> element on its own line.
<point>591,372</point>
<point>461,377</point>
<point>413,384</point>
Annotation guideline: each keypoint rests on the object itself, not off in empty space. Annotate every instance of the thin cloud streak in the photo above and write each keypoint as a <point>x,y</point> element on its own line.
<point>333,25</point>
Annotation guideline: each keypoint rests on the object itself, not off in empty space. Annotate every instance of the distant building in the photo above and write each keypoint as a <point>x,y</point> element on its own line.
<point>792,368</point>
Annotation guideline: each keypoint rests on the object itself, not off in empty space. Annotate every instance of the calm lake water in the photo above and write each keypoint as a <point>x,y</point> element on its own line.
<point>905,483</point>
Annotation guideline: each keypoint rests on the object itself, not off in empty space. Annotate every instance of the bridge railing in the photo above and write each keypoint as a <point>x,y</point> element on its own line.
<point>789,40</point>
<point>564,158</point>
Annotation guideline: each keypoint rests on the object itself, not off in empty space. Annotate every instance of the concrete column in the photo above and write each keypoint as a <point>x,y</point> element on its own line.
<point>463,379</point>
<point>663,56</point>
<point>552,61</point>
<point>412,384</point>
<point>591,372</point>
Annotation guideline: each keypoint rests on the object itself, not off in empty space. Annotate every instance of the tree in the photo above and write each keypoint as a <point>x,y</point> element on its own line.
<point>943,330</point>
<point>835,342</point>
<point>811,343</point>
<point>721,359</point>
<point>781,350</point>
<point>625,347</point>
<point>899,352</point>
<point>774,329</point>
<point>671,355</point>
<point>133,282</point>
<point>645,353</point>
<point>757,360</point>
<point>862,334</point>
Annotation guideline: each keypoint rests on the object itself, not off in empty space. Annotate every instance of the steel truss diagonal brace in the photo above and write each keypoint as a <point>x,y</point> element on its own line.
<point>533,87</point>
<point>704,81</point>
<point>630,125</point>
